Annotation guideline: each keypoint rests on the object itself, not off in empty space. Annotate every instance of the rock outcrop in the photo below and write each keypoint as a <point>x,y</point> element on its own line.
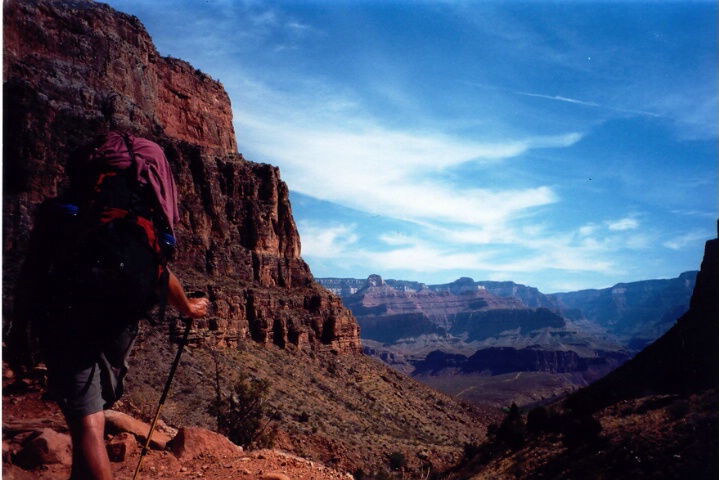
<point>74,69</point>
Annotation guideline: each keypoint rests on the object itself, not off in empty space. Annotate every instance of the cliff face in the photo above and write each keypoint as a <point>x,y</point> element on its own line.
<point>75,69</point>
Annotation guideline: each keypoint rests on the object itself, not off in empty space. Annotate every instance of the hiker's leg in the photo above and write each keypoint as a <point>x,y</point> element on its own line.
<point>113,363</point>
<point>75,385</point>
<point>89,454</point>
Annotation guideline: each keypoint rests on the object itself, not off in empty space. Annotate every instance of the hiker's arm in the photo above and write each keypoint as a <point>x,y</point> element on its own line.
<point>191,307</point>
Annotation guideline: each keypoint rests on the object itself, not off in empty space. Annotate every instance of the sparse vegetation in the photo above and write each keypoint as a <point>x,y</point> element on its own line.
<point>580,431</point>
<point>241,414</point>
<point>511,432</point>
<point>541,421</point>
<point>397,461</point>
<point>678,409</point>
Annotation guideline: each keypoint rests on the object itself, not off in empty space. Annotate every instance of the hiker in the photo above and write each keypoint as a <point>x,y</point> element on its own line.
<point>96,265</point>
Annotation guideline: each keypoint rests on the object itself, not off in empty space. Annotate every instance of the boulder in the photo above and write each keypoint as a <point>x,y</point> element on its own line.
<point>45,447</point>
<point>118,422</point>
<point>192,442</point>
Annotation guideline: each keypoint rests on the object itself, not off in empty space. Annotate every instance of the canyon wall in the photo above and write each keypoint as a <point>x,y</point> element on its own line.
<point>75,69</point>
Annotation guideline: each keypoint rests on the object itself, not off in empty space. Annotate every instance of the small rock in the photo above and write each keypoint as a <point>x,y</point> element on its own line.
<point>274,476</point>
<point>121,447</point>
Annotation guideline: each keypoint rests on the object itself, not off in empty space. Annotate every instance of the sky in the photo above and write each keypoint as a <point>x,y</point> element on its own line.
<point>561,145</point>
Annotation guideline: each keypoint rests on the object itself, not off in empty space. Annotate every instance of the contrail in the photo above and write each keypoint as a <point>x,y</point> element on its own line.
<point>559,98</point>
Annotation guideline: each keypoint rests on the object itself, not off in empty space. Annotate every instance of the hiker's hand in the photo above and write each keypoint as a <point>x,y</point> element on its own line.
<point>196,307</point>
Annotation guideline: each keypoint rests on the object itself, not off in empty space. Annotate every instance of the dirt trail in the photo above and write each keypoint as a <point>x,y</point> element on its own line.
<point>23,409</point>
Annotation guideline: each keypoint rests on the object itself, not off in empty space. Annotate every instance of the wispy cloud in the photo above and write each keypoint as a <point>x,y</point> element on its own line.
<point>327,241</point>
<point>692,238</point>
<point>623,224</point>
<point>390,172</point>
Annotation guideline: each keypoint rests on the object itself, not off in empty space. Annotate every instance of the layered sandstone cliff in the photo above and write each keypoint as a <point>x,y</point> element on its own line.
<point>74,69</point>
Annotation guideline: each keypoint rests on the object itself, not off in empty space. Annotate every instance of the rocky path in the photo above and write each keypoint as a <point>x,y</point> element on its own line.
<point>36,446</point>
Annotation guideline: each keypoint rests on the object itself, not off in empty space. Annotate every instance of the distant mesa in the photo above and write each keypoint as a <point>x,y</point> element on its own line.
<point>375,281</point>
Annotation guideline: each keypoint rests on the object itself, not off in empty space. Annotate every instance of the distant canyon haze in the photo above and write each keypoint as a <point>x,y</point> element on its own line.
<point>494,343</point>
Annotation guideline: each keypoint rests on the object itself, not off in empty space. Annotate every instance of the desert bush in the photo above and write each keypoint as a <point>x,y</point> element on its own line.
<point>626,411</point>
<point>383,475</point>
<point>581,431</point>
<point>471,450</point>
<point>397,461</point>
<point>241,413</point>
<point>512,432</point>
<point>678,409</point>
<point>540,421</point>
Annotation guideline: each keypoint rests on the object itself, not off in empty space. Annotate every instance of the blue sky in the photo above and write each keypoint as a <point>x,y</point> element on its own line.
<point>562,145</point>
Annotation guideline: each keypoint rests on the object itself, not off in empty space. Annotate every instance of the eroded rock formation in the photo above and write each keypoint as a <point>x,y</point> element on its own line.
<point>74,69</point>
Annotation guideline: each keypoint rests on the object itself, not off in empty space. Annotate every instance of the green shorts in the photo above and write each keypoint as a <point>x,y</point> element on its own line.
<point>85,373</point>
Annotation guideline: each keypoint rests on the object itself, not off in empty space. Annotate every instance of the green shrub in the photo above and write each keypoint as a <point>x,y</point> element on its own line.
<point>511,432</point>
<point>241,413</point>
<point>397,461</point>
<point>581,431</point>
<point>471,450</point>
<point>541,421</point>
<point>538,420</point>
<point>678,409</point>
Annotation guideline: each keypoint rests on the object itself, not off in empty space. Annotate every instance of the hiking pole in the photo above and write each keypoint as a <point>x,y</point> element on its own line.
<point>146,447</point>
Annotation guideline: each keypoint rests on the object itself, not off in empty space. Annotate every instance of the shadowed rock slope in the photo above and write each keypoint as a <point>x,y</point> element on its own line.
<point>685,360</point>
<point>657,416</point>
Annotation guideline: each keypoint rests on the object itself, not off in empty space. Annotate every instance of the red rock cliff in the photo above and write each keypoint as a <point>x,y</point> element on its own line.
<point>74,69</point>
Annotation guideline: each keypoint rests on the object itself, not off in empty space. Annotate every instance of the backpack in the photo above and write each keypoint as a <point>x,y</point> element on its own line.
<point>117,251</point>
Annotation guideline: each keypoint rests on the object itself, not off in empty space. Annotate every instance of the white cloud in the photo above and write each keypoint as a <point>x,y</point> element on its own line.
<point>588,229</point>
<point>327,241</point>
<point>394,173</point>
<point>623,224</point>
